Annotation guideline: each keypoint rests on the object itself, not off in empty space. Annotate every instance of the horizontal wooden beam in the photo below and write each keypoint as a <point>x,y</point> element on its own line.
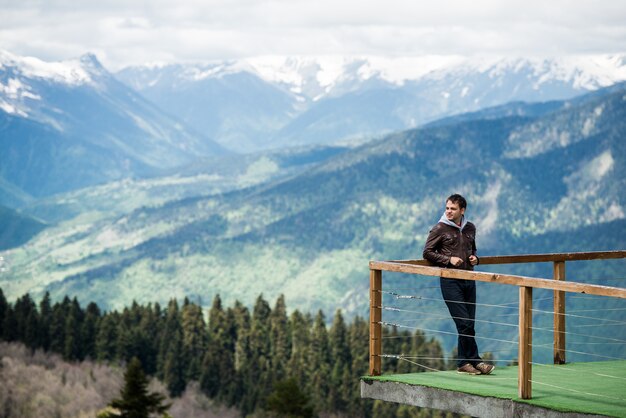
<point>537,258</point>
<point>574,287</point>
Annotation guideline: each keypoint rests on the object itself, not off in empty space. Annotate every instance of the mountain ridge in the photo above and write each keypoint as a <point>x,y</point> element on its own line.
<point>346,99</point>
<point>72,124</point>
<point>310,235</point>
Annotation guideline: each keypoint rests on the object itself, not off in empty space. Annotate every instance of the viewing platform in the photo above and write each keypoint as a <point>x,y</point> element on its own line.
<point>568,390</point>
<point>596,388</point>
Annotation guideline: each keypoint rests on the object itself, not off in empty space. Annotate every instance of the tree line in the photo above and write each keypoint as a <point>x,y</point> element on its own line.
<point>250,359</point>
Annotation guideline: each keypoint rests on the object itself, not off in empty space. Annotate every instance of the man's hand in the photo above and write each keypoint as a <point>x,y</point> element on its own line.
<point>456,261</point>
<point>473,260</point>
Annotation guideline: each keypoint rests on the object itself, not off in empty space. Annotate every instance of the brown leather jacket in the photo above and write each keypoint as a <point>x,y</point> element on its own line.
<point>445,241</point>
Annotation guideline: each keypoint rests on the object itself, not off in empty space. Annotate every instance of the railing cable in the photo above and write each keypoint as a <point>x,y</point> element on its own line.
<point>581,352</point>
<point>579,316</point>
<point>578,334</point>
<point>400,296</point>
<point>446,358</point>
<point>447,332</point>
<point>413,362</point>
<point>442,316</point>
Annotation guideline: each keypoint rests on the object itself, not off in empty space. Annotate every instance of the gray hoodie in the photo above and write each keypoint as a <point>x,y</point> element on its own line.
<point>446,221</point>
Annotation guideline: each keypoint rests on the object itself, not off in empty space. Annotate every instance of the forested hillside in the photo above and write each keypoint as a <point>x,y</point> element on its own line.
<point>528,178</point>
<point>240,358</point>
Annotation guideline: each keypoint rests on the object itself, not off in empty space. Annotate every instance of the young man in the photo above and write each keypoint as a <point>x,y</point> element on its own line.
<point>451,243</point>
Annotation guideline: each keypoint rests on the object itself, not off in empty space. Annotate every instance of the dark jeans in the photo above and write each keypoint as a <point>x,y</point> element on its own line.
<point>460,297</point>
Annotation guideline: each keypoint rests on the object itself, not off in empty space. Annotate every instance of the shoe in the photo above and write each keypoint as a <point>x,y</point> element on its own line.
<point>485,368</point>
<point>467,369</point>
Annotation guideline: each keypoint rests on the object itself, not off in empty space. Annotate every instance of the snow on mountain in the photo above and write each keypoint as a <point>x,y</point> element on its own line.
<point>320,76</point>
<point>313,79</point>
<point>273,101</point>
<point>71,124</point>
<point>21,77</point>
<point>581,72</point>
<point>70,72</point>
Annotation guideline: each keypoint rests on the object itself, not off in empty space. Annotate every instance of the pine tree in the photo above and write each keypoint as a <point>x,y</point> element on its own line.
<point>242,360</point>
<point>174,369</point>
<point>171,325</point>
<point>214,378</point>
<point>45,319</point>
<point>280,340</point>
<point>287,400</point>
<point>170,361</point>
<point>358,336</point>
<point>298,364</point>
<point>194,340</point>
<point>320,363</point>
<point>135,401</point>
<point>58,325</point>
<point>3,311</point>
<point>27,321</point>
<point>31,334</point>
<point>228,375</point>
<point>341,362</point>
<point>128,338</point>
<point>89,330</point>
<point>72,349</point>
<point>9,325</point>
<point>258,376</point>
<point>106,347</point>
<point>210,379</point>
<point>149,330</point>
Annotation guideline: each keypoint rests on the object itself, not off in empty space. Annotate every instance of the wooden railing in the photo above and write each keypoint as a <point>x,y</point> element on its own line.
<point>526,285</point>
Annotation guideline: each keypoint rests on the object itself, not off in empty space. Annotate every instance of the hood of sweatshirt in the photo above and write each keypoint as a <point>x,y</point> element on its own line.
<point>446,221</point>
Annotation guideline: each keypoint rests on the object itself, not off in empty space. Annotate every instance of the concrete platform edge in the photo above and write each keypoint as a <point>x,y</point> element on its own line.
<point>459,402</point>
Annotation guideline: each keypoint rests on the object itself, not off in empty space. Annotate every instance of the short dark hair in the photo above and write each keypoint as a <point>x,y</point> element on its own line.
<point>458,199</point>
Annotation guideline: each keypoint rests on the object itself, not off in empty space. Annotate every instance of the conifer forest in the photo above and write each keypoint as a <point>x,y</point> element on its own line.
<point>262,361</point>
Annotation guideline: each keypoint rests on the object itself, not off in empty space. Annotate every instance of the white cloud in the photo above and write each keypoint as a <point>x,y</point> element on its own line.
<point>132,32</point>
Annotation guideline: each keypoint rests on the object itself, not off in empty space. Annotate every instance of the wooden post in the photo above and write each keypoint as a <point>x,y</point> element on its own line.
<point>559,315</point>
<point>376,280</point>
<point>525,342</point>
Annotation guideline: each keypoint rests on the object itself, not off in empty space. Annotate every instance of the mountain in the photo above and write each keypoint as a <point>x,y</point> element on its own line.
<point>532,182</point>
<point>204,177</point>
<point>13,196</point>
<point>66,125</point>
<point>16,229</point>
<point>273,102</point>
<point>232,105</point>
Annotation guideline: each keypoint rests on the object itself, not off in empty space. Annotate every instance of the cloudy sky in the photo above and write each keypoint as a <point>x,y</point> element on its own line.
<point>126,32</point>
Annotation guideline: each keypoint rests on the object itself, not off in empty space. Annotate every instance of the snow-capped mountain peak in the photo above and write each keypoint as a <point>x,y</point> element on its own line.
<point>582,72</point>
<point>21,78</point>
<point>269,101</point>
<point>70,72</point>
<point>322,76</point>
<point>315,78</point>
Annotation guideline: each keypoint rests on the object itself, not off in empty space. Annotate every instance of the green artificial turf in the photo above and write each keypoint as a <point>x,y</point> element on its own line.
<point>596,387</point>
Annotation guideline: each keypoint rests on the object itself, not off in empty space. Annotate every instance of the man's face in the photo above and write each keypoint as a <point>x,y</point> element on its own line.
<point>453,212</point>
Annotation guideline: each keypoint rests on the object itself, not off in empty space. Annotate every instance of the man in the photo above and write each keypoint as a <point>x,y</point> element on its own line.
<point>451,243</point>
